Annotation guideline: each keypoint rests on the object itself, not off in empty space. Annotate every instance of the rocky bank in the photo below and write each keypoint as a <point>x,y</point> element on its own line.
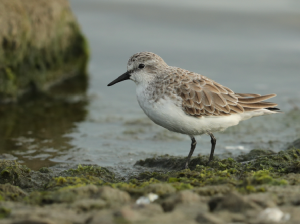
<point>40,45</point>
<point>258,187</point>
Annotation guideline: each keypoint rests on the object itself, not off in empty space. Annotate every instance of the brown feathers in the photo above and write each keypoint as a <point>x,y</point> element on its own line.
<point>204,97</point>
<point>256,99</point>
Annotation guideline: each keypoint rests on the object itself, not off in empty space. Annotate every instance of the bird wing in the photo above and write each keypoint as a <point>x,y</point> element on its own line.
<point>204,97</point>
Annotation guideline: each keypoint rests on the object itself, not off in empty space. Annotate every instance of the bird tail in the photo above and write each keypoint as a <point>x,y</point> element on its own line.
<point>254,102</point>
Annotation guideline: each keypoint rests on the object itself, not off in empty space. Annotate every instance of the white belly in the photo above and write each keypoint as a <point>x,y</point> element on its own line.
<point>167,114</point>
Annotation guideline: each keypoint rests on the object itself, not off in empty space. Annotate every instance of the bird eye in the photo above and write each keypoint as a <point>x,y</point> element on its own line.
<point>141,66</point>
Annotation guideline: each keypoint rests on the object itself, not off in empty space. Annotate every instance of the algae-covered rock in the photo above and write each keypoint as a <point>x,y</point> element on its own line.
<point>233,202</point>
<point>225,191</point>
<point>19,175</point>
<point>108,196</point>
<point>15,174</point>
<point>253,154</point>
<point>40,45</point>
<point>10,192</point>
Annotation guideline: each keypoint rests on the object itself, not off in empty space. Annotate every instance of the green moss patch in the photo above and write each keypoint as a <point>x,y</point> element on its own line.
<point>13,173</point>
<point>220,177</point>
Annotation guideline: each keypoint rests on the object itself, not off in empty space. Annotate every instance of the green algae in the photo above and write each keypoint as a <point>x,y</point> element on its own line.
<point>82,176</point>
<point>261,180</point>
<point>65,182</point>
<point>44,170</point>
<point>96,171</point>
<point>220,177</point>
<point>253,154</point>
<point>12,172</point>
<point>259,168</point>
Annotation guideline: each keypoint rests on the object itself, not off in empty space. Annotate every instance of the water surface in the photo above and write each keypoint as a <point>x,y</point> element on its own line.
<point>247,47</point>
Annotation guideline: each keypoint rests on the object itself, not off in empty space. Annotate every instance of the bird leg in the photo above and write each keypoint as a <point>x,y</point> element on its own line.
<point>193,146</point>
<point>213,141</point>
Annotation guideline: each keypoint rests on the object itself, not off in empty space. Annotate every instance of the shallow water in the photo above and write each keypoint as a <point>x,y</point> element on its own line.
<point>247,47</point>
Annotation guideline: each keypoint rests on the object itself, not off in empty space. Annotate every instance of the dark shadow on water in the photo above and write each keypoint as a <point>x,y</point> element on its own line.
<point>34,130</point>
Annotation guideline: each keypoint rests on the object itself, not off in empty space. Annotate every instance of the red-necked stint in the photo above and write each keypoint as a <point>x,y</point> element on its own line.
<point>187,102</point>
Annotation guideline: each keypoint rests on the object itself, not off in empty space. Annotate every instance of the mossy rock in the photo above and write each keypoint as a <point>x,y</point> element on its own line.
<point>253,154</point>
<point>222,176</point>
<point>40,45</point>
<point>14,173</point>
<point>259,168</point>
<point>109,195</point>
<point>225,186</point>
<point>9,192</point>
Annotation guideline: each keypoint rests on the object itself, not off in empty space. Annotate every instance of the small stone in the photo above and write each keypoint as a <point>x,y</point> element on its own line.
<point>127,214</point>
<point>264,200</point>
<point>44,170</point>
<point>184,197</point>
<point>147,199</point>
<point>191,210</point>
<point>113,196</point>
<point>273,215</point>
<point>148,210</point>
<point>231,217</point>
<point>137,213</point>
<point>102,217</point>
<point>10,189</point>
<point>170,218</point>
<point>35,221</point>
<point>89,204</point>
<point>293,213</point>
<point>208,218</point>
<point>45,215</point>
<point>233,202</point>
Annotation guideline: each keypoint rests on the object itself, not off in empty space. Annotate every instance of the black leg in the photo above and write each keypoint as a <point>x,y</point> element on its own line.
<point>213,145</point>
<point>193,146</point>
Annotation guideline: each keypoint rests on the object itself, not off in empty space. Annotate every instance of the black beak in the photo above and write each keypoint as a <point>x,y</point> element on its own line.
<point>121,78</point>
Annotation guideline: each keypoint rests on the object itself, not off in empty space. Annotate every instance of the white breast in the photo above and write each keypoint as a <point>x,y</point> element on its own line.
<point>167,114</point>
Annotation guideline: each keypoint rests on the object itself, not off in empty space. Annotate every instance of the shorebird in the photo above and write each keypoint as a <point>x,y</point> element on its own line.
<point>189,103</point>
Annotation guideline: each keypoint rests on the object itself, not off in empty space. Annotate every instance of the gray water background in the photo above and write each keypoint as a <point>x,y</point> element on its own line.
<point>248,46</point>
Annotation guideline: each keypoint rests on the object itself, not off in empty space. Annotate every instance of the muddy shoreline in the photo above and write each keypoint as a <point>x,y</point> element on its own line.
<point>258,187</point>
